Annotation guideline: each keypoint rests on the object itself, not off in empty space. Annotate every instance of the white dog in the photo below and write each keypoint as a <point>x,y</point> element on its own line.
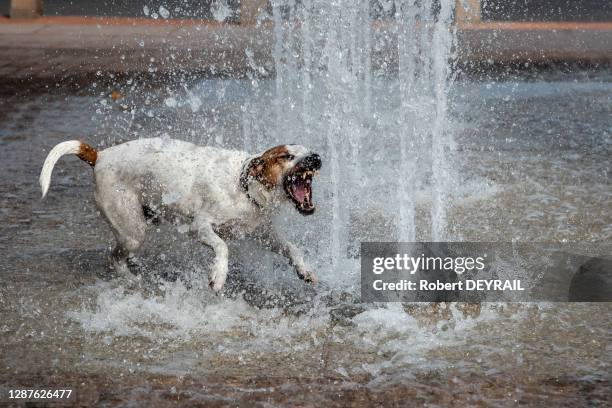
<point>222,194</point>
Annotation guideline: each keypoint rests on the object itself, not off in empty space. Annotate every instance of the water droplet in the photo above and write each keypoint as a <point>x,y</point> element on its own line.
<point>163,12</point>
<point>171,102</point>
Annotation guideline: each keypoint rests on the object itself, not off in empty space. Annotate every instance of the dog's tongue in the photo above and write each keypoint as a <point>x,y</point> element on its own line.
<point>299,191</point>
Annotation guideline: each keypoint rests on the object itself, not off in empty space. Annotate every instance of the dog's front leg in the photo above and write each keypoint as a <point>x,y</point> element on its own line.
<point>276,244</point>
<point>206,235</point>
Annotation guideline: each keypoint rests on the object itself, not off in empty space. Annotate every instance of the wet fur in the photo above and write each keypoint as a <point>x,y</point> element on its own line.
<point>155,179</point>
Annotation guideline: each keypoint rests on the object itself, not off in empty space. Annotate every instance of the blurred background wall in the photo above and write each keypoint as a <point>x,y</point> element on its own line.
<point>490,10</point>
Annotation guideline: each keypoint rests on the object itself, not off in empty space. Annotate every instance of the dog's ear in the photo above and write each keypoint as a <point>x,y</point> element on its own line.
<point>259,170</point>
<point>256,168</point>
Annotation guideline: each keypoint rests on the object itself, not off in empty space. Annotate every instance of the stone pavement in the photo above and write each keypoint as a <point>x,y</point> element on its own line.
<point>63,46</point>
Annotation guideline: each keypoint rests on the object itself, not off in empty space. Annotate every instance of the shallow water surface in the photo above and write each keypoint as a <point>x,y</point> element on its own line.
<point>533,161</point>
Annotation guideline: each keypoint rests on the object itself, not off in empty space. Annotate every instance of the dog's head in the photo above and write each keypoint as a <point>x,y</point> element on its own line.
<point>284,171</point>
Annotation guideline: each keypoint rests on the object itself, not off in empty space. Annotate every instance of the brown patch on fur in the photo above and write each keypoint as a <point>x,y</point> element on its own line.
<point>268,167</point>
<point>87,154</point>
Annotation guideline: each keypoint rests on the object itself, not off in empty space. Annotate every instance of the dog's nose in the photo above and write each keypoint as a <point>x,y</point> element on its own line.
<point>312,161</point>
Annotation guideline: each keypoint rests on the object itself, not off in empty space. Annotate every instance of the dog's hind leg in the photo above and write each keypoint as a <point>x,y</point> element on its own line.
<point>124,213</point>
<point>206,235</point>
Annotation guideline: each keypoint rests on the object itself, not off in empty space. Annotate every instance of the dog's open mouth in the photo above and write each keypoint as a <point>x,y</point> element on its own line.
<point>298,185</point>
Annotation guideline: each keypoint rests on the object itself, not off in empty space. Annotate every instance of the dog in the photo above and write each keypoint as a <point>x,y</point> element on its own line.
<point>220,194</point>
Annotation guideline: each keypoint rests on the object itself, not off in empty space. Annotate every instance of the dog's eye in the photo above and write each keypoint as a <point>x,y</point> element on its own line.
<point>288,157</point>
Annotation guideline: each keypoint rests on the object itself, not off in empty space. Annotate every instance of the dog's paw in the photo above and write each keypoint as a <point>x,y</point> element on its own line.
<point>307,275</point>
<point>216,286</point>
<point>216,279</point>
<point>123,272</point>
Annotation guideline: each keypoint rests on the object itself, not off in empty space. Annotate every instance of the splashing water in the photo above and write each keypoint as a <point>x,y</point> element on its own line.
<point>387,142</point>
<point>424,41</point>
<point>220,10</point>
<point>324,86</point>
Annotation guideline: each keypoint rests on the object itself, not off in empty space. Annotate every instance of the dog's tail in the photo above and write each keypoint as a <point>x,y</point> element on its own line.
<point>82,150</point>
